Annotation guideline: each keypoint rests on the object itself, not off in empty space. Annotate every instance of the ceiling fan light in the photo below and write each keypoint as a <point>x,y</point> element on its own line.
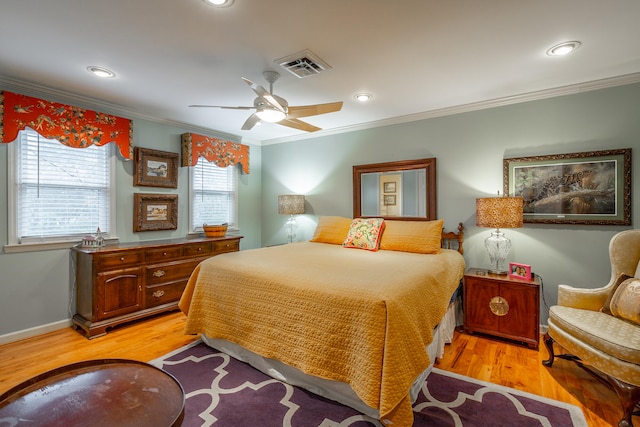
<point>271,116</point>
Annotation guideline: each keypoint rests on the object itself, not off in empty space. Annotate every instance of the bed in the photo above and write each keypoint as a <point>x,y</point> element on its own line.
<point>362,327</point>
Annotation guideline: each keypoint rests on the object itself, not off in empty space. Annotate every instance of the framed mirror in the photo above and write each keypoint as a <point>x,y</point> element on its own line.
<point>404,189</point>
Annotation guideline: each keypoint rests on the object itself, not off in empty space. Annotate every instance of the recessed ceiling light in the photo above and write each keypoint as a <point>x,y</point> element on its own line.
<point>219,3</point>
<point>563,48</point>
<point>363,97</point>
<point>101,72</point>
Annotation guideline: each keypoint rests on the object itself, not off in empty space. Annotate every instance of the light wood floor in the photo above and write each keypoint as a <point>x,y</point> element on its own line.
<point>476,356</point>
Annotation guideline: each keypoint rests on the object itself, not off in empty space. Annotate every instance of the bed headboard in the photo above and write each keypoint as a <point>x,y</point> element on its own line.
<point>453,240</point>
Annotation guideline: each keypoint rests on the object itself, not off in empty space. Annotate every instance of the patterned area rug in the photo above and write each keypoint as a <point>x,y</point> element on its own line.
<point>222,391</point>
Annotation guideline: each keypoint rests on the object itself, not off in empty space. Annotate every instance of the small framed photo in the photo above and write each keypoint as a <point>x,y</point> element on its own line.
<point>519,271</point>
<point>390,187</point>
<point>390,200</point>
<point>154,168</point>
<point>153,212</point>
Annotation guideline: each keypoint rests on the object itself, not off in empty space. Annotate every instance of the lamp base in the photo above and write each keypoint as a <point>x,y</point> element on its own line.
<point>498,246</point>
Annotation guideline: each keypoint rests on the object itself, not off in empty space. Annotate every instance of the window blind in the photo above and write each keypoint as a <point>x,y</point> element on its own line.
<point>60,191</point>
<point>214,194</point>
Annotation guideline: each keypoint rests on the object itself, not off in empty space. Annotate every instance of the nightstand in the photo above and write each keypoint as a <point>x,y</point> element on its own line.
<point>499,305</point>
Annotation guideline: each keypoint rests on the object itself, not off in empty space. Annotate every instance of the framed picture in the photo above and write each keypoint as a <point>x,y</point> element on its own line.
<point>155,212</point>
<point>389,187</point>
<point>390,200</point>
<point>154,168</point>
<point>519,271</point>
<point>577,188</point>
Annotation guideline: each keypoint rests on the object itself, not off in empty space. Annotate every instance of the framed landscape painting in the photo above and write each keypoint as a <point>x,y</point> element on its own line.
<point>576,188</point>
<point>155,212</point>
<point>155,168</point>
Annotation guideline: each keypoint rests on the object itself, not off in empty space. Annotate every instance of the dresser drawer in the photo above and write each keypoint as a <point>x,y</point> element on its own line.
<point>163,294</point>
<point>169,272</point>
<point>198,249</point>
<point>119,260</point>
<point>226,246</point>
<point>163,254</point>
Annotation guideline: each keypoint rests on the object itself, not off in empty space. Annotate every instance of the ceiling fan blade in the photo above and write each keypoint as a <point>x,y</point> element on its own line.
<point>264,94</point>
<point>223,106</point>
<point>298,124</point>
<point>313,110</point>
<point>251,122</point>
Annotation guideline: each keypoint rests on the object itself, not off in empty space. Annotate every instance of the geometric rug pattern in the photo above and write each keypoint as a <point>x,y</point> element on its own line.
<point>222,391</point>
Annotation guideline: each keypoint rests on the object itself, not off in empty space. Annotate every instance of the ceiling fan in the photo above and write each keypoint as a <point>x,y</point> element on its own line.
<point>274,109</point>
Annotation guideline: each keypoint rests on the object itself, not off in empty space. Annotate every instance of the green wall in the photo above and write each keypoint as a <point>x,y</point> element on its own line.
<point>35,287</point>
<point>469,149</point>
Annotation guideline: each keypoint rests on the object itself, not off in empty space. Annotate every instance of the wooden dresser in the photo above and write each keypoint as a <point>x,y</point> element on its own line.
<point>125,282</point>
<point>502,306</point>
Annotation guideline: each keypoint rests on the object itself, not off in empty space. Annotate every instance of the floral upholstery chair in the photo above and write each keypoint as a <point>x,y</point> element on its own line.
<point>601,327</point>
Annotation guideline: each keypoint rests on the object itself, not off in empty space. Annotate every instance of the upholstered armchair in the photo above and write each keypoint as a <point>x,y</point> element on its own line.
<point>598,327</point>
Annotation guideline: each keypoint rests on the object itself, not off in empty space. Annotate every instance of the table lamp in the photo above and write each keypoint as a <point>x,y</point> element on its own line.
<point>291,204</point>
<point>499,212</point>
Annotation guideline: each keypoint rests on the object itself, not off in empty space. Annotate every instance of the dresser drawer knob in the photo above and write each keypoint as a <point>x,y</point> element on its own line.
<point>164,254</point>
<point>158,294</point>
<point>122,259</point>
<point>199,249</point>
<point>159,273</point>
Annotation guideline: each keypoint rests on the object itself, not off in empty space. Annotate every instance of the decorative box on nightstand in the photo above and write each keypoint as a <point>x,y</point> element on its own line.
<point>502,306</point>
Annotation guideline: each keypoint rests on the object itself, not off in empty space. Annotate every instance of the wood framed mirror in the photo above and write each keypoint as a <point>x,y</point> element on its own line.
<point>404,190</point>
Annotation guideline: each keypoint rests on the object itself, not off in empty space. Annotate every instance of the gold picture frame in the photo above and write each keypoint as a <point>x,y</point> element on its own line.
<point>153,212</point>
<point>592,188</point>
<point>155,168</point>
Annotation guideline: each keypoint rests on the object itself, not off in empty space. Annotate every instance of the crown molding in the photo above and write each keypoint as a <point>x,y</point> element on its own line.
<point>475,106</point>
<point>33,89</point>
<point>37,90</point>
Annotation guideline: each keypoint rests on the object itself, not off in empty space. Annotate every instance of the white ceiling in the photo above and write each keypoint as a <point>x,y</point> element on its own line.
<point>417,57</point>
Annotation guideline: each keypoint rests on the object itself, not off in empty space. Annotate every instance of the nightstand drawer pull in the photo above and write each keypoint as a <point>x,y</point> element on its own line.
<point>158,294</point>
<point>499,306</point>
<point>159,273</point>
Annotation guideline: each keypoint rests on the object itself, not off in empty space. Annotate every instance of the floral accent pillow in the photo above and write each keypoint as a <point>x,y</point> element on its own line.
<point>364,233</point>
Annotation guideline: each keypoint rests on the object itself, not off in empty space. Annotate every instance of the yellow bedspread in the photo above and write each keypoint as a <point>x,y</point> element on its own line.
<point>360,317</point>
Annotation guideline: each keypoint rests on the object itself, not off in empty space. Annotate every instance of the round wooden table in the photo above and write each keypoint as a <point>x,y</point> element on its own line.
<point>105,392</point>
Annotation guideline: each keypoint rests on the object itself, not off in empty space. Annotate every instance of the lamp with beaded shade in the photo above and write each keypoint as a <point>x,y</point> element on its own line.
<point>499,212</point>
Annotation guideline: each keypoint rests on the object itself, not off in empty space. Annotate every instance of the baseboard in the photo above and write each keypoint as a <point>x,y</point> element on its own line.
<point>32,332</point>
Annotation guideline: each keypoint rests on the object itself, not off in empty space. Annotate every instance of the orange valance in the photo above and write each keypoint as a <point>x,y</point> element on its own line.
<point>222,153</point>
<point>71,126</point>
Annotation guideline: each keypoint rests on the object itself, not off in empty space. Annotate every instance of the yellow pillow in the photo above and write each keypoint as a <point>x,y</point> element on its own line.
<point>331,229</point>
<point>621,278</point>
<point>421,237</point>
<point>625,303</point>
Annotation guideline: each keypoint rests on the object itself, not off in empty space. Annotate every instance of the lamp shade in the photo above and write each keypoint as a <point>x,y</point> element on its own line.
<point>499,212</point>
<point>291,204</point>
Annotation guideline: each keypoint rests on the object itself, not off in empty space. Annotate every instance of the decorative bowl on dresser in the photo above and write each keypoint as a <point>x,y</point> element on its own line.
<point>124,282</point>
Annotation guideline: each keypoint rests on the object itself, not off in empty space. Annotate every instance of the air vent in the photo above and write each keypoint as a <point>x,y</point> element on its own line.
<point>303,64</point>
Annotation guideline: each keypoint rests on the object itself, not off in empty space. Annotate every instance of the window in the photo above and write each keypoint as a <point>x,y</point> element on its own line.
<point>59,193</point>
<point>213,192</point>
